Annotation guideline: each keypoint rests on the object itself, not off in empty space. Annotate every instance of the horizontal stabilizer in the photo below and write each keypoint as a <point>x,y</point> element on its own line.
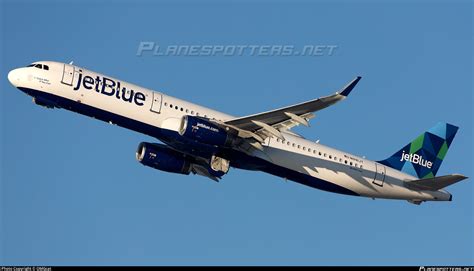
<point>436,183</point>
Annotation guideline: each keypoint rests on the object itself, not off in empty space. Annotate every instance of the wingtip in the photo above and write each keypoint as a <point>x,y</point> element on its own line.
<point>347,89</point>
<point>460,176</point>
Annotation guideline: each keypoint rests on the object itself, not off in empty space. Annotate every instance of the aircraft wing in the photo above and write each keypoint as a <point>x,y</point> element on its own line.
<point>271,123</point>
<point>299,113</point>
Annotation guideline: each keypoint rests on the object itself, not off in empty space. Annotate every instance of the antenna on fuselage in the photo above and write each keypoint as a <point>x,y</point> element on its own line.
<point>317,141</point>
<point>72,61</point>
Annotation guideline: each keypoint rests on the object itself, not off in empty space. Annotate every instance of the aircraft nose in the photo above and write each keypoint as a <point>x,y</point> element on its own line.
<point>14,77</point>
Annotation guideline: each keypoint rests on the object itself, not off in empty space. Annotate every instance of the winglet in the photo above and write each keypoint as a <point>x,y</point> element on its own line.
<point>347,89</point>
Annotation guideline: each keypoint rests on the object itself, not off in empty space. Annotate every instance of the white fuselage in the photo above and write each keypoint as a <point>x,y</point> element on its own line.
<point>363,177</point>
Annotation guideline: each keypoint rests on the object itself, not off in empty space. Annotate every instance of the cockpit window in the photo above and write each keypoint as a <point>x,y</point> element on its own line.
<point>39,66</point>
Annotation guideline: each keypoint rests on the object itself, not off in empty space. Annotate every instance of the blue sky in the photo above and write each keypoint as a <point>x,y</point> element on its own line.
<point>72,192</point>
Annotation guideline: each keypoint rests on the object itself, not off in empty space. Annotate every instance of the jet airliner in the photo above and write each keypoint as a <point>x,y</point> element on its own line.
<point>202,141</point>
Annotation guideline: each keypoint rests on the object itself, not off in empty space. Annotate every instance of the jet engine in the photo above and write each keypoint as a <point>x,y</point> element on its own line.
<point>204,131</point>
<point>163,158</point>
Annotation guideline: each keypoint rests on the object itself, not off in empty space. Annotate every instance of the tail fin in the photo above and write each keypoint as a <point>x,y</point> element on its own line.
<point>423,156</point>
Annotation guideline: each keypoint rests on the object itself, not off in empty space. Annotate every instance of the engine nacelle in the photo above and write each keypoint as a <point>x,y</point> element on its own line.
<point>206,132</point>
<point>162,158</point>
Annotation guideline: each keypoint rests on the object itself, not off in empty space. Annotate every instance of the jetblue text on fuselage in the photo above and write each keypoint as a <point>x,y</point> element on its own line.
<point>110,87</point>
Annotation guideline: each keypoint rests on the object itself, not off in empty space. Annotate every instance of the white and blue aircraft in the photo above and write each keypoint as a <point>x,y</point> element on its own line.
<point>203,141</point>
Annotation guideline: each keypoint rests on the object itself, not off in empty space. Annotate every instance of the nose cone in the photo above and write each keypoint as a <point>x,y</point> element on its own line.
<point>14,77</point>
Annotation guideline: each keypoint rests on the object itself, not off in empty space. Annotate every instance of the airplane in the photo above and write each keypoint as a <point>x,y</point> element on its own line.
<point>206,142</point>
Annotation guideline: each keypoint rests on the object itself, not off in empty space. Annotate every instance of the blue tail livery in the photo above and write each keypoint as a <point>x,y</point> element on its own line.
<point>423,156</point>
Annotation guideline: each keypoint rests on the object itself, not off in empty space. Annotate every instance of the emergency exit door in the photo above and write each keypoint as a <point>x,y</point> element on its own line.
<point>379,178</point>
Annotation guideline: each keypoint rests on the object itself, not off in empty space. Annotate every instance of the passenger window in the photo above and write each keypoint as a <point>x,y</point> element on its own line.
<point>288,143</point>
<point>46,67</point>
<point>330,156</point>
<point>166,104</point>
<point>309,149</point>
<point>171,106</point>
<point>314,151</point>
<point>182,109</point>
<point>176,107</point>
<point>304,148</point>
<point>187,110</point>
<point>324,154</point>
<point>283,141</point>
<point>345,162</point>
<point>319,153</point>
<point>298,146</point>
<point>350,163</point>
<point>192,112</point>
<point>293,144</point>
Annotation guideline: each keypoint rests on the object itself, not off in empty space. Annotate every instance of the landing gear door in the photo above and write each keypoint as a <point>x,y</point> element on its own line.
<point>68,74</point>
<point>379,178</point>
<point>156,103</point>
